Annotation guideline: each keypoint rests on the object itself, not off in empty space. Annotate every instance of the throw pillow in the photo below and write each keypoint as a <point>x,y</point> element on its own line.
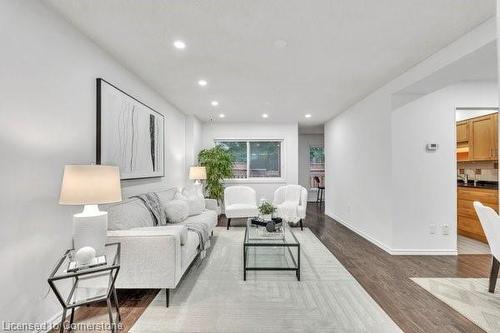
<point>176,211</point>
<point>196,203</point>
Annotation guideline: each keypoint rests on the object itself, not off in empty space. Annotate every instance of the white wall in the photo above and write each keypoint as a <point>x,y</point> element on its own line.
<point>424,184</point>
<point>358,148</point>
<point>286,132</point>
<point>47,119</point>
<point>193,140</point>
<point>464,114</point>
<point>305,142</point>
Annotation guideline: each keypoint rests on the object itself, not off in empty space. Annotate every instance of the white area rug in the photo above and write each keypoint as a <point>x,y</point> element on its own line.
<point>213,297</point>
<point>469,297</point>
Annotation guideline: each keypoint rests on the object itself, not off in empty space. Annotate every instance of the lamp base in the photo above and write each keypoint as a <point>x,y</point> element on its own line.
<point>89,229</point>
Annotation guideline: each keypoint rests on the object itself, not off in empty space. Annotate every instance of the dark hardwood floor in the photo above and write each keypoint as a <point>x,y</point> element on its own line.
<point>386,278</point>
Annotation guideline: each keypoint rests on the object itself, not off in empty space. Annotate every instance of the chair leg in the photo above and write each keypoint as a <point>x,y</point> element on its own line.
<point>167,291</point>
<point>495,264</point>
<point>228,223</point>
<point>301,225</point>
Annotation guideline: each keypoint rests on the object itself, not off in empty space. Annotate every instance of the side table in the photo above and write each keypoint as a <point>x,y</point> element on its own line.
<point>87,285</point>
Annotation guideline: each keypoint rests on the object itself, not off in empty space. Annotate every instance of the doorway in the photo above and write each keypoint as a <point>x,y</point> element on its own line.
<point>477,174</point>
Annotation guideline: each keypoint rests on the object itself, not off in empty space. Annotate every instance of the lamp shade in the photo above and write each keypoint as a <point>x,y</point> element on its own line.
<point>197,173</point>
<point>90,185</point>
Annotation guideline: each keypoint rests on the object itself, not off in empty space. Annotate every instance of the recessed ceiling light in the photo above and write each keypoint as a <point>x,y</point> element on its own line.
<point>202,83</point>
<point>179,44</point>
<point>280,43</point>
<point>308,115</point>
<point>214,103</point>
<point>222,115</point>
<point>265,115</point>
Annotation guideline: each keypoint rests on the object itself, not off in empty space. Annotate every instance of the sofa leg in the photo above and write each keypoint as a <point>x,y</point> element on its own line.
<point>167,291</point>
<point>301,225</point>
<point>228,223</point>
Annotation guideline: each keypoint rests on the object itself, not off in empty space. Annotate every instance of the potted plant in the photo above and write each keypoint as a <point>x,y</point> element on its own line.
<point>219,165</point>
<point>266,210</point>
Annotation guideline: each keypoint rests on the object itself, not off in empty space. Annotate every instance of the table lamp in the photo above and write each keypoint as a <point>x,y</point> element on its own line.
<point>197,173</point>
<point>90,185</point>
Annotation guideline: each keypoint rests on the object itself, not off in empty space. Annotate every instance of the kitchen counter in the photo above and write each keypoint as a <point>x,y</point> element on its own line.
<point>479,184</point>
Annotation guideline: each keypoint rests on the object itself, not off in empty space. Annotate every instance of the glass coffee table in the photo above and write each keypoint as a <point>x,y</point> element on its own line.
<point>270,251</point>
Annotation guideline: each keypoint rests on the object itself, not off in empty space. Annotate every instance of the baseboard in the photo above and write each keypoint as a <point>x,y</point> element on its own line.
<point>396,252</point>
<point>52,322</point>
<point>428,252</point>
<point>359,232</point>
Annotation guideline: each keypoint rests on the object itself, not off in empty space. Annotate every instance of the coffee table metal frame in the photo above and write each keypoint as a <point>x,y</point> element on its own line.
<point>247,243</point>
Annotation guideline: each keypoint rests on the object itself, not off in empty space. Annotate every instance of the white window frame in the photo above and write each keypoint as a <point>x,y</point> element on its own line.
<point>249,179</point>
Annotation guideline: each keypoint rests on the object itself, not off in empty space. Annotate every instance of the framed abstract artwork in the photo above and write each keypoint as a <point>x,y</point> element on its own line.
<point>130,134</point>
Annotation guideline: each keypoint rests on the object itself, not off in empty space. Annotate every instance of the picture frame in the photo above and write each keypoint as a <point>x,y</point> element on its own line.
<point>129,133</point>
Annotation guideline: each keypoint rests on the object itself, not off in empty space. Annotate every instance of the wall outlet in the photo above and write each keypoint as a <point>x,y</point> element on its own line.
<point>445,229</point>
<point>432,229</point>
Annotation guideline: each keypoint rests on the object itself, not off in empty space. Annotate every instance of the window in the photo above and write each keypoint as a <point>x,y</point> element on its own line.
<point>316,166</point>
<point>254,159</point>
<point>238,150</point>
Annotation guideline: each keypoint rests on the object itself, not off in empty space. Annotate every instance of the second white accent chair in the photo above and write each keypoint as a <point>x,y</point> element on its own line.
<point>490,221</point>
<point>240,202</point>
<point>291,202</point>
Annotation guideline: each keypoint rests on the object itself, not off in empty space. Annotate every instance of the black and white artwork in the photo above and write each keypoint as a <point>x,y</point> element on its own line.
<point>130,134</point>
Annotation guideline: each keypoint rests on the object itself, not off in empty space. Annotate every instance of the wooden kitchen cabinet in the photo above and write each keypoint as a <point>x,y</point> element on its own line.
<point>477,138</point>
<point>483,132</point>
<point>468,223</point>
<point>462,131</point>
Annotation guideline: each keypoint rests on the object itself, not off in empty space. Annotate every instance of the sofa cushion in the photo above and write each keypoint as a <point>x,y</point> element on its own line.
<point>195,202</point>
<point>128,214</point>
<point>166,195</point>
<point>190,249</point>
<point>207,217</point>
<point>176,211</point>
<point>241,210</point>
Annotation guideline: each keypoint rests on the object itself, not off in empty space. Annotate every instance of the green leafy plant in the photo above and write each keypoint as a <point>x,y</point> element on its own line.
<point>219,165</point>
<point>266,208</point>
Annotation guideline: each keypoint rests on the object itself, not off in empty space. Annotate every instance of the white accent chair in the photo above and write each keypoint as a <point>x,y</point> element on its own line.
<point>240,202</point>
<point>490,221</point>
<point>291,198</point>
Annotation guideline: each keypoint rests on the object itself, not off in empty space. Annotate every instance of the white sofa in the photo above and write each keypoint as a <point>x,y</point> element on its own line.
<point>153,256</point>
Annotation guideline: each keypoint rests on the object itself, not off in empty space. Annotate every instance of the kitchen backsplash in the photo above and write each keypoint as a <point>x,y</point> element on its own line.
<point>484,170</point>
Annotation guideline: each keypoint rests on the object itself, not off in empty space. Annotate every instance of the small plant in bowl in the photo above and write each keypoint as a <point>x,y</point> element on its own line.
<point>266,210</point>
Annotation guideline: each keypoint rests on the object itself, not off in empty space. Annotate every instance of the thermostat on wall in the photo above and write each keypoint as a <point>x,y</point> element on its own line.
<point>431,147</point>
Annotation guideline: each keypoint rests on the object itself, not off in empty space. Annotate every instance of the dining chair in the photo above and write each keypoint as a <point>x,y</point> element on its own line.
<point>490,221</point>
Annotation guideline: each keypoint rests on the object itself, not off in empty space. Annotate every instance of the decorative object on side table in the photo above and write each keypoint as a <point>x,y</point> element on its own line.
<point>90,185</point>
<point>198,173</point>
<point>88,284</point>
<point>272,225</point>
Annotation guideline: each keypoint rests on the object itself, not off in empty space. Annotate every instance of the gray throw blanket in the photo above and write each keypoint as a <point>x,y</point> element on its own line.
<point>153,204</point>
<point>201,230</point>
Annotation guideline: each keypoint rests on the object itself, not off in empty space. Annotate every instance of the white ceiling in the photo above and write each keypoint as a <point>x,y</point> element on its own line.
<point>480,65</point>
<point>337,52</point>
